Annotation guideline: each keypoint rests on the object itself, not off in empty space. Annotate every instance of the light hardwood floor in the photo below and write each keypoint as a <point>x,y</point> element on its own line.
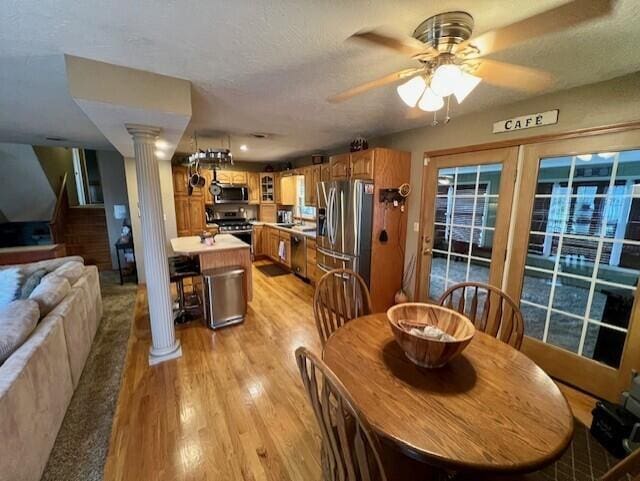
<point>233,407</point>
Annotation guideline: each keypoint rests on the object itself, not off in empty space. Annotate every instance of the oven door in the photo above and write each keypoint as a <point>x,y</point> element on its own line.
<point>244,236</point>
<point>236,194</point>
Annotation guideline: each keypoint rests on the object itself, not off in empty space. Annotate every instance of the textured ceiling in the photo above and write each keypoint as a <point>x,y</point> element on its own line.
<point>268,66</point>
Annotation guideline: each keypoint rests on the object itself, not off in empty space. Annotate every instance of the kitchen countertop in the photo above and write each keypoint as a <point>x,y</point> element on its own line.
<point>192,245</point>
<point>311,234</point>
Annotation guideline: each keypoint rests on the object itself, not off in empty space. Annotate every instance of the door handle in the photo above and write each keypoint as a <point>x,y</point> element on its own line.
<point>426,246</point>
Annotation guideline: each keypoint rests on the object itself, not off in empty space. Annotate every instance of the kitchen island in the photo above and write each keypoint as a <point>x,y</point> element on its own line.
<point>227,251</point>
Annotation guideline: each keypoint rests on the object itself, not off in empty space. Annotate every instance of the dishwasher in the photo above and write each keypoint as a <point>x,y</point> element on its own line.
<point>299,255</point>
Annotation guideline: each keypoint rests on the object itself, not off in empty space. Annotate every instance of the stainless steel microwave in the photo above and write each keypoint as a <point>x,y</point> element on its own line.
<point>232,194</point>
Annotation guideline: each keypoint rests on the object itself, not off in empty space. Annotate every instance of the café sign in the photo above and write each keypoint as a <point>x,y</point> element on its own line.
<point>526,121</point>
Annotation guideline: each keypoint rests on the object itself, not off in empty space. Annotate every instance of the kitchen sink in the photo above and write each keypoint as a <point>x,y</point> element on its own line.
<point>285,224</point>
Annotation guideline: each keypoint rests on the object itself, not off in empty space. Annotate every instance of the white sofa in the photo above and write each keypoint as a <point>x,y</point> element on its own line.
<point>38,379</point>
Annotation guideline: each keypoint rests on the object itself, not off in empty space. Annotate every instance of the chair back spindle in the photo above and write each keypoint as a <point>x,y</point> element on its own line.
<point>341,295</point>
<point>490,309</point>
<point>350,450</point>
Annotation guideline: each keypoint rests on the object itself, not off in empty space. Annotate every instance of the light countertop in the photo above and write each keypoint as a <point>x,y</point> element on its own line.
<point>308,233</point>
<point>192,245</point>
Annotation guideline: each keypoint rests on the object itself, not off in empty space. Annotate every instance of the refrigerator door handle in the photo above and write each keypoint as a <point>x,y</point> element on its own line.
<point>323,268</point>
<point>334,215</point>
<point>333,254</point>
<point>330,215</point>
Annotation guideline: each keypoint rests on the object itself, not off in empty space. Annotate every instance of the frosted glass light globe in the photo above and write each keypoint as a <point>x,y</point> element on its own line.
<point>445,79</point>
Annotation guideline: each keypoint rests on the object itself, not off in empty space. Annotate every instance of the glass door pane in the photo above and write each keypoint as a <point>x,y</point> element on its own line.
<point>582,263</point>
<point>466,219</point>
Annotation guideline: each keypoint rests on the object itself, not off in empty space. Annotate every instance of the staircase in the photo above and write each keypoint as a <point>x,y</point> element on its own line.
<point>85,235</point>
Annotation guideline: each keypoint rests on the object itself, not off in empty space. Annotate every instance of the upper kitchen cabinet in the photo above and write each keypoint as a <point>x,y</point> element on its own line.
<point>231,177</point>
<point>339,166</point>
<point>311,178</point>
<point>288,190</point>
<point>325,172</point>
<point>277,191</point>
<point>268,188</point>
<point>208,175</point>
<point>253,182</point>
<point>362,164</point>
<point>180,177</point>
<point>356,165</point>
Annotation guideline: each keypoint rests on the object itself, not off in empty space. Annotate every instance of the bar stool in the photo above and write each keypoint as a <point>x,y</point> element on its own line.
<point>181,268</point>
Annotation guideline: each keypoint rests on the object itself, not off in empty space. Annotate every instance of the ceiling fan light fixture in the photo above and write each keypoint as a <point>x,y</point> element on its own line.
<point>445,79</point>
<point>411,91</point>
<point>430,101</point>
<point>465,86</point>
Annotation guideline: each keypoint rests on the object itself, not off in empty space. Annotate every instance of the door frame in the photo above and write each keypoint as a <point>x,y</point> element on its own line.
<point>593,376</point>
<point>508,157</point>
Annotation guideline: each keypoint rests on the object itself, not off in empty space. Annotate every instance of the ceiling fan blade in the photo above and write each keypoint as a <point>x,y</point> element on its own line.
<point>513,76</point>
<point>380,82</point>
<point>403,44</point>
<point>554,20</point>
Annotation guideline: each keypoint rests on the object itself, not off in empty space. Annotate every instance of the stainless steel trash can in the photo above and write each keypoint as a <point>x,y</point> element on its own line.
<point>224,302</point>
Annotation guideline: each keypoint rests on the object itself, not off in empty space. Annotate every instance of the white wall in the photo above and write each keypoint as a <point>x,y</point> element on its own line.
<point>168,206</point>
<point>114,190</point>
<point>604,103</point>
<point>25,192</point>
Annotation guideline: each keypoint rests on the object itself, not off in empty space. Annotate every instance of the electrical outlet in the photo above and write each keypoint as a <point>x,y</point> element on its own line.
<point>416,227</point>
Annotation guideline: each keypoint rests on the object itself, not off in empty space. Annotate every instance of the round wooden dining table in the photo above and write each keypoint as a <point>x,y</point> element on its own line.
<point>490,409</point>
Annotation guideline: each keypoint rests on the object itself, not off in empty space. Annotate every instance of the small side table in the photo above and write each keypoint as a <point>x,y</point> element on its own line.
<point>125,246</point>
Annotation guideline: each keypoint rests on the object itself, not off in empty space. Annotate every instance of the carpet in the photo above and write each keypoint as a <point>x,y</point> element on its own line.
<point>273,270</point>
<point>80,450</point>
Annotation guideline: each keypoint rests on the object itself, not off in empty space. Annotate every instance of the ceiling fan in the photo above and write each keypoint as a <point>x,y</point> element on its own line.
<point>452,62</point>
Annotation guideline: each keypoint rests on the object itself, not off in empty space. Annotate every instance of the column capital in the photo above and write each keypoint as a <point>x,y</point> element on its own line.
<point>139,131</point>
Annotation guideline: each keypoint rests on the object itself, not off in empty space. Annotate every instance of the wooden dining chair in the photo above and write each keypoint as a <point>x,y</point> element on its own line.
<point>490,309</point>
<point>350,450</point>
<point>627,469</point>
<point>341,295</point>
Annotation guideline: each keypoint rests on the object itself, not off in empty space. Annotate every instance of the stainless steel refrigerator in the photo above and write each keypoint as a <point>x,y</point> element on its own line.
<point>344,224</point>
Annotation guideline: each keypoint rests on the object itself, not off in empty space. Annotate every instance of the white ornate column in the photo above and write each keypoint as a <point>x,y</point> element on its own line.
<point>164,345</point>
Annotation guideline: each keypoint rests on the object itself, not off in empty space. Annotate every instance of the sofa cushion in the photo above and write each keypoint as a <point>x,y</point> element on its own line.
<point>31,282</point>
<point>18,319</point>
<point>35,390</point>
<point>71,271</point>
<point>50,292</point>
<point>48,265</point>
<point>9,285</point>
<point>77,331</point>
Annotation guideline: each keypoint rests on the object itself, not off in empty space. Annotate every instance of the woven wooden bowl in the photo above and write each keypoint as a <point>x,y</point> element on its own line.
<point>424,352</point>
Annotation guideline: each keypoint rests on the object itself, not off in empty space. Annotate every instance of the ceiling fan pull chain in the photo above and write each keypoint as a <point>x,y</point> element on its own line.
<point>447,118</point>
<point>435,118</point>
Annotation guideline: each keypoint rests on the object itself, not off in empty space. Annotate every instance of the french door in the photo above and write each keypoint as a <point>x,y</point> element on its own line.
<point>467,201</point>
<point>575,259</point>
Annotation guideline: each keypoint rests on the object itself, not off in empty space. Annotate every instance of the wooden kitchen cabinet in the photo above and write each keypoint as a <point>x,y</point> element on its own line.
<point>325,172</point>
<point>361,164</point>
<point>286,238</point>
<point>179,174</point>
<point>196,215</point>
<point>312,273</point>
<point>267,188</point>
<point>258,232</point>
<point>253,182</point>
<point>182,216</point>
<point>276,187</point>
<point>268,213</point>
<point>231,177</point>
<point>287,190</point>
<point>311,179</point>
<point>274,243</point>
<point>339,166</point>
<point>208,175</point>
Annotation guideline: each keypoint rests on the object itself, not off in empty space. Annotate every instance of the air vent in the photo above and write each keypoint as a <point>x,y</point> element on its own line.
<point>259,135</point>
<point>56,139</point>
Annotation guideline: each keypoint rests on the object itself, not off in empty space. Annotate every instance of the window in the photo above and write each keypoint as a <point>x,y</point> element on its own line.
<point>302,210</point>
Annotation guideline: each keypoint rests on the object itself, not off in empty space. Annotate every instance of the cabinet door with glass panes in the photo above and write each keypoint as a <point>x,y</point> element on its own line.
<point>267,188</point>
<point>576,259</point>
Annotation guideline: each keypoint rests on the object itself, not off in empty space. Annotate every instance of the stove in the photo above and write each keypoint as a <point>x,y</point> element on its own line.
<point>236,225</point>
<point>232,222</point>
